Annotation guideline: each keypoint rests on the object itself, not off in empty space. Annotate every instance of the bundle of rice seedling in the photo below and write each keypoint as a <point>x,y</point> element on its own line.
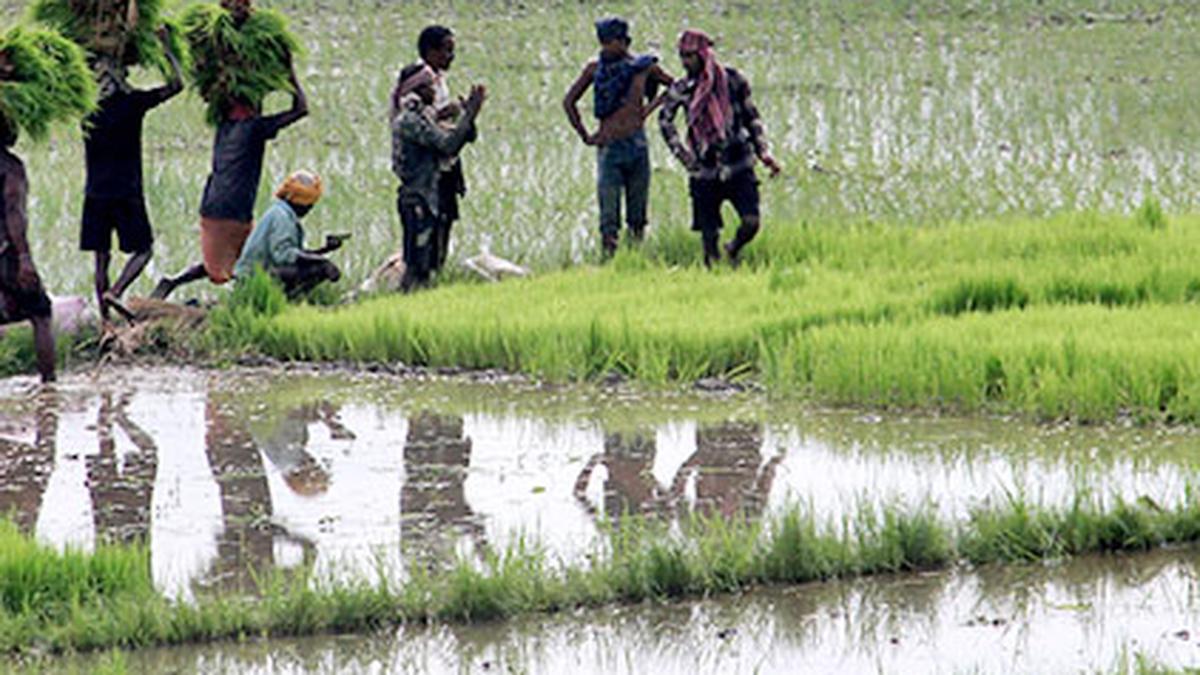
<point>44,78</point>
<point>121,32</point>
<point>237,53</point>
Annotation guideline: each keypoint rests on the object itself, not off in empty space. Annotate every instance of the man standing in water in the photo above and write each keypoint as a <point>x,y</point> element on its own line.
<point>227,208</point>
<point>22,296</point>
<point>419,147</point>
<point>113,197</point>
<point>436,46</point>
<point>725,135</point>
<point>623,85</point>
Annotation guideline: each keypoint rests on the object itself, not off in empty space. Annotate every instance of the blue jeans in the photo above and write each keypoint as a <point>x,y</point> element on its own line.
<point>623,165</point>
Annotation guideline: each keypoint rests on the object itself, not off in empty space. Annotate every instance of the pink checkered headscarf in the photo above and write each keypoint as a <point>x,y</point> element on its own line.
<point>711,109</point>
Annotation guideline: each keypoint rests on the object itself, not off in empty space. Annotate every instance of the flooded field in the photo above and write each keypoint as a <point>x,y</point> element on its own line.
<point>1089,615</point>
<point>228,474</point>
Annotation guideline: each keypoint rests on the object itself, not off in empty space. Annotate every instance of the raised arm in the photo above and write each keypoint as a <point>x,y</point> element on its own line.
<point>299,108</point>
<point>571,101</point>
<point>449,143</point>
<point>676,99</point>
<point>174,84</point>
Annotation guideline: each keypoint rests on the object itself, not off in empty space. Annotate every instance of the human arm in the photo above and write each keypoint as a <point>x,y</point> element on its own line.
<point>757,130</point>
<point>448,143</point>
<point>299,109</point>
<point>571,101</point>
<point>174,84</point>
<point>333,242</point>
<point>676,99</point>
<point>16,188</point>
<point>656,77</point>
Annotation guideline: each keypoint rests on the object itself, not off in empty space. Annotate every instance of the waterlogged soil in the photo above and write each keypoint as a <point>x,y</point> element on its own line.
<point>1095,614</point>
<point>228,474</point>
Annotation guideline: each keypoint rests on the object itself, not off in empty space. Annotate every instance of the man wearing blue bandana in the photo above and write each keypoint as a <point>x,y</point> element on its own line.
<point>625,88</point>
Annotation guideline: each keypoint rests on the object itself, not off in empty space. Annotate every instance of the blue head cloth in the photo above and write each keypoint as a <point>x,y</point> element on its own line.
<point>612,28</point>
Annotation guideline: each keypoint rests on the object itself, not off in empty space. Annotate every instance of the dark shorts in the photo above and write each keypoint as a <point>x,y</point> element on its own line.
<point>16,303</point>
<point>127,216</point>
<point>709,194</point>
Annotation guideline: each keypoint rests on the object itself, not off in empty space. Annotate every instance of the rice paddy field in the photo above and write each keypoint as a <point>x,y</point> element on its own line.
<point>987,222</point>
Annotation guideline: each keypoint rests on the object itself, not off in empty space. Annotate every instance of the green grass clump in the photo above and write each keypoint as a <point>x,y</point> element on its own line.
<point>60,601</point>
<point>237,62</point>
<point>51,81</point>
<point>39,581</point>
<point>79,20</point>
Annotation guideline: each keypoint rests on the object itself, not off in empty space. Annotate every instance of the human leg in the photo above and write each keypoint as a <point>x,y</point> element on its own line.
<point>609,182</point>
<point>743,192</point>
<point>637,188</point>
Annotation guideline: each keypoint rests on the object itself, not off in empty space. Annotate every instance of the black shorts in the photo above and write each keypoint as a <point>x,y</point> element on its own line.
<point>16,303</point>
<point>126,215</point>
<point>709,194</point>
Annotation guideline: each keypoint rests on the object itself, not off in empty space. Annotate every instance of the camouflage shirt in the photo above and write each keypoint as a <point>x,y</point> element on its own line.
<point>420,145</point>
<point>745,137</point>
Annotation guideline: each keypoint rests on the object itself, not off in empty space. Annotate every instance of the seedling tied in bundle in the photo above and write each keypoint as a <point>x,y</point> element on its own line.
<point>44,79</point>
<point>117,34</point>
<point>240,54</point>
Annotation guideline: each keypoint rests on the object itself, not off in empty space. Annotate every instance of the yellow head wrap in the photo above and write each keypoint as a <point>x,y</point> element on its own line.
<point>302,188</point>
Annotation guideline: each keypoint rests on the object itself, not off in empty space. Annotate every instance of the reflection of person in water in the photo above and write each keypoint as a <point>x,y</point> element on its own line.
<point>726,466</point>
<point>630,488</point>
<point>25,469</point>
<point>285,443</point>
<point>246,545</point>
<point>121,487</point>
<point>433,503</point>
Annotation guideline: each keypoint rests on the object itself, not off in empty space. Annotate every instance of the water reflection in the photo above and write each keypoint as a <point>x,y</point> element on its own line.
<point>433,503</point>
<point>25,467</point>
<point>121,486</point>
<point>227,478</point>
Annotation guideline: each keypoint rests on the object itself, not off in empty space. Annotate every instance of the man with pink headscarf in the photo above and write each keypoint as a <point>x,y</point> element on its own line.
<point>725,137</point>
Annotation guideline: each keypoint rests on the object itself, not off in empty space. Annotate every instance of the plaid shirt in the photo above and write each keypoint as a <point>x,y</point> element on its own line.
<point>420,145</point>
<point>745,137</point>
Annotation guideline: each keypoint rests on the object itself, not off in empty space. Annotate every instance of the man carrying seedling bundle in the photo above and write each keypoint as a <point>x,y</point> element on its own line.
<point>435,47</point>
<point>725,134</point>
<point>624,84</point>
<point>226,210</point>
<point>277,243</point>
<point>43,79</point>
<point>114,198</point>
<point>21,293</point>
<point>419,147</point>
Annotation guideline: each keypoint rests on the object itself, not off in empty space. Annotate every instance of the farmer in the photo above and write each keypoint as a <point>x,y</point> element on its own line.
<point>113,197</point>
<point>420,146</point>
<point>277,243</point>
<point>22,296</point>
<point>227,208</point>
<point>624,87</point>
<point>725,134</point>
<point>435,46</point>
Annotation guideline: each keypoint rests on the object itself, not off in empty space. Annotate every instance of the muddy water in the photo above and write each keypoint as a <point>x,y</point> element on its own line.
<point>1088,615</point>
<point>225,474</point>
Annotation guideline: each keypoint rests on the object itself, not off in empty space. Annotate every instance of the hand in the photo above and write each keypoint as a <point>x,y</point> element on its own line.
<point>27,276</point>
<point>773,165</point>
<point>591,139</point>
<point>476,99</point>
<point>334,241</point>
<point>451,111</point>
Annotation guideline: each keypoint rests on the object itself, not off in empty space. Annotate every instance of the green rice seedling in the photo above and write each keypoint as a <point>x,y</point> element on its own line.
<point>101,27</point>
<point>49,81</point>
<point>236,58</point>
<point>981,295</point>
<point>1150,214</point>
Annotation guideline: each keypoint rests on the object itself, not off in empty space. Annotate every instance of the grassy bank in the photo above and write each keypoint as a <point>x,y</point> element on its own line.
<point>76,601</point>
<point>1084,317</point>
